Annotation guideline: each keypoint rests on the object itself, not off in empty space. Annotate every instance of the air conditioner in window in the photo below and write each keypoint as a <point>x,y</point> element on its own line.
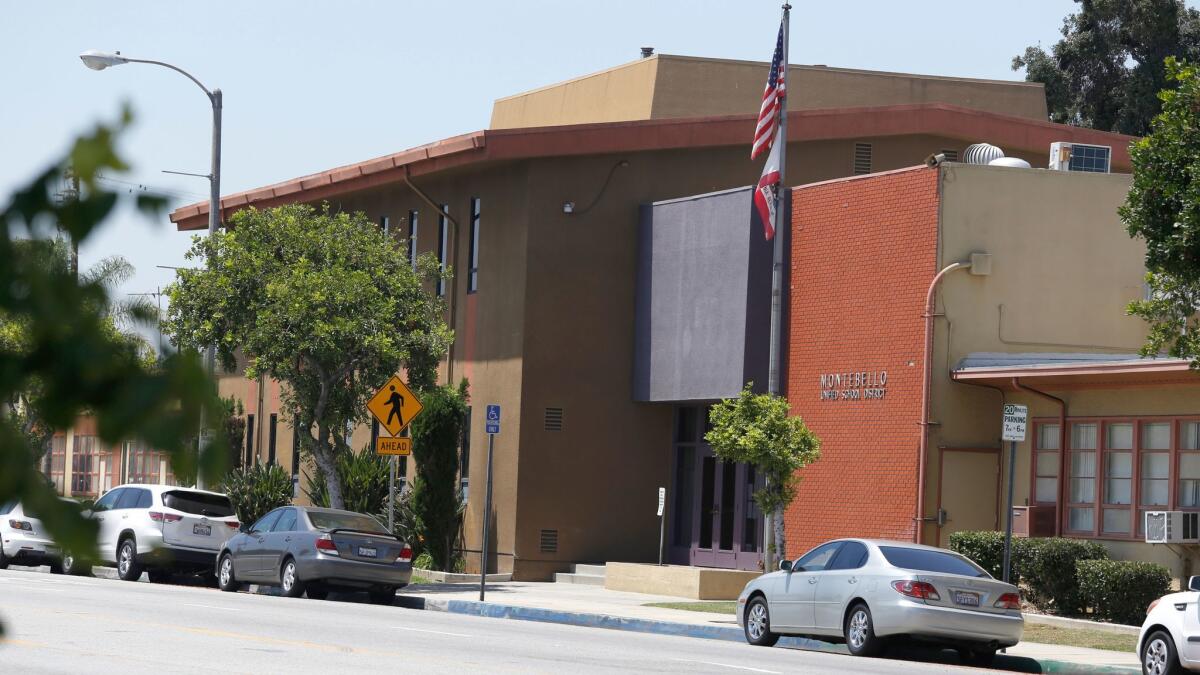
<point>1172,527</point>
<point>1066,156</point>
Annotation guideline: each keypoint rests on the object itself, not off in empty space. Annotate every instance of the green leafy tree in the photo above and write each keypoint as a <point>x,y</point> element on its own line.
<point>757,429</point>
<point>67,348</point>
<point>436,499</point>
<point>364,477</point>
<point>257,489</point>
<point>324,303</point>
<point>1163,208</point>
<point>1105,71</point>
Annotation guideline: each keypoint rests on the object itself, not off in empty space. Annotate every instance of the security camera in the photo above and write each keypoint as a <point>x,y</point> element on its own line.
<point>934,160</point>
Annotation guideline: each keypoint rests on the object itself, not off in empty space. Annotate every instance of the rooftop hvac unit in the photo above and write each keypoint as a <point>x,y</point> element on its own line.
<point>1172,527</point>
<point>1080,157</point>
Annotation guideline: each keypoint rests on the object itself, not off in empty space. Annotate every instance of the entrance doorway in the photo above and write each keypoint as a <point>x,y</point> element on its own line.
<point>715,522</point>
<point>968,491</point>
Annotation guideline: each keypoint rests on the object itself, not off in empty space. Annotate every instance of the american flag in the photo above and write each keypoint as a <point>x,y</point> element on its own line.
<point>768,115</point>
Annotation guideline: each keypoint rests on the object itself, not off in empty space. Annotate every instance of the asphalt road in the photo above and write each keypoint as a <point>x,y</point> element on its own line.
<point>58,624</point>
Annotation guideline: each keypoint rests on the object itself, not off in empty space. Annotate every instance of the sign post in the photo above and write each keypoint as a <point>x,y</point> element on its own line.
<point>395,406</point>
<point>662,522</point>
<point>1015,417</point>
<point>492,428</point>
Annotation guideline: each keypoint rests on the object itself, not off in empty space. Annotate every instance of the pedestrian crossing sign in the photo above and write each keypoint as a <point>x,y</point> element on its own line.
<point>394,405</point>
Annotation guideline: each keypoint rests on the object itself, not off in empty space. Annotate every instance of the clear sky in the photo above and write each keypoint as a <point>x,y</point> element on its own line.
<point>311,85</point>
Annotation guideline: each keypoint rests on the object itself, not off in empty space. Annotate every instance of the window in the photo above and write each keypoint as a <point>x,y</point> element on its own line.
<point>328,520</point>
<point>383,225</point>
<point>1118,477</point>
<point>250,456</point>
<point>926,560</point>
<point>286,522</point>
<point>143,464</point>
<point>264,524</point>
<point>108,501</point>
<point>818,558</point>
<point>1081,514</point>
<point>1189,465</point>
<point>1046,467</point>
<point>85,466</point>
<point>198,503</point>
<point>464,459</point>
<point>296,456</point>
<point>473,264</point>
<point>852,556</point>
<point>862,158</point>
<point>412,238</point>
<point>129,498</point>
<point>271,437</point>
<point>1154,469</point>
<point>58,458</point>
<point>443,246</point>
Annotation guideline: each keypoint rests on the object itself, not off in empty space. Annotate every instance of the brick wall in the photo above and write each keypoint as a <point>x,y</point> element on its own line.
<point>863,254</point>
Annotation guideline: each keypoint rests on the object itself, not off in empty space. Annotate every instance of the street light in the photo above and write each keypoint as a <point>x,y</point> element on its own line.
<point>98,60</point>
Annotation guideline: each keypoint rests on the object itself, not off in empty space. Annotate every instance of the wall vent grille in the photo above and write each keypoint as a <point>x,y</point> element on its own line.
<point>554,419</point>
<point>951,155</point>
<point>862,158</point>
<point>549,541</point>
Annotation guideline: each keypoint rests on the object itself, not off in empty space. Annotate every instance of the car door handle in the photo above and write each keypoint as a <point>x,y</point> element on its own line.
<point>812,580</point>
<point>287,538</point>
<point>852,580</point>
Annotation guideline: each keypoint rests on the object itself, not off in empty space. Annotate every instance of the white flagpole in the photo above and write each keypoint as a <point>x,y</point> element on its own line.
<point>781,220</point>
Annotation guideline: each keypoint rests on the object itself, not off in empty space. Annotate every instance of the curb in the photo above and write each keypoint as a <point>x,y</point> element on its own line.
<point>1064,622</point>
<point>726,633</point>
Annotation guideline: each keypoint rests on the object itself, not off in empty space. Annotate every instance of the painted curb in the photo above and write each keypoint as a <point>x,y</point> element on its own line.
<point>1047,620</point>
<point>726,633</point>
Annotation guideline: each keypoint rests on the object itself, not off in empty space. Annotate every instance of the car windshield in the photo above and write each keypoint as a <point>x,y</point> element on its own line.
<point>198,503</point>
<point>7,507</point>
<point>924,560</point>
<point>326,520</point>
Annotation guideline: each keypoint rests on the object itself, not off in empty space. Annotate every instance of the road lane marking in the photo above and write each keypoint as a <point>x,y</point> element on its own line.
<point>228,609</point>
<point>436,632</point>
<point>730,665</point>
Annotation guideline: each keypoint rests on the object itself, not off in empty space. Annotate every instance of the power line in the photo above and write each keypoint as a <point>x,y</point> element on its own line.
<point>180,194</point>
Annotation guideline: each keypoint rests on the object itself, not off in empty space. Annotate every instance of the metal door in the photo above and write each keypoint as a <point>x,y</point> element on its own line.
<point>968,491</point>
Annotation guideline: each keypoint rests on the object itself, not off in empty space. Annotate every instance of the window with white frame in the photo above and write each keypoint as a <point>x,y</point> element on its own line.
<point>1081,495</point>
<point>1045,483</point>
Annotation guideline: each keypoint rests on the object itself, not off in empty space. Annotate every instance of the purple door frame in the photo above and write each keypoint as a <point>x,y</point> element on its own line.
<point>718,538</point>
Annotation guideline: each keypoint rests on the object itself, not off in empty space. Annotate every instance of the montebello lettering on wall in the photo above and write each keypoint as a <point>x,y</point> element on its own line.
<point>854,386</point>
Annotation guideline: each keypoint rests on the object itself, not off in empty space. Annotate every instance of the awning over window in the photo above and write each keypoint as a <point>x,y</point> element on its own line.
<point>1073,371</point>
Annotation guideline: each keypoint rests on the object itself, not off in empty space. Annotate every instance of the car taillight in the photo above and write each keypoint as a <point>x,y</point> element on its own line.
<point>1009,601</point>
<point>405,554</point>
<point>916,589</point>
<point>232,524</point>
<point>1152,606</point>
<point>21,525</point>
<point>325,545</point>
<point>160,517</point>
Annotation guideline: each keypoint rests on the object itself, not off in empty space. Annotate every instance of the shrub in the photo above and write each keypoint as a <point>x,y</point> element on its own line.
<point>1048,568</point>
<point>364,477</point>
<point>986,548</point>
<point>256,490</point>
<point>1120,590</point>
<point>436,497</point>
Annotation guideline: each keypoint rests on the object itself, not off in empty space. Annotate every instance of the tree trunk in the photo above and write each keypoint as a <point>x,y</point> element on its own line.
<point>780,544</point>
<point>327,465</point>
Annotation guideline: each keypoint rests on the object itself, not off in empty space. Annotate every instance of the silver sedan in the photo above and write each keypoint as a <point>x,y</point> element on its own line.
<point>867,593</point>
<point>304,549</point>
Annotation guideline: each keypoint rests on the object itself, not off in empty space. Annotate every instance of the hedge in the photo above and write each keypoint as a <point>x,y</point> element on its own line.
<point>985,548</point>
<point>1121,590</point>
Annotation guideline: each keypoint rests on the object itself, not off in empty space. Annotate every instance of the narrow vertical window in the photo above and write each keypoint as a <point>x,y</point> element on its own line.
<point>1081,505</point>
<point>1154,469</point>
<point>443,245</point>
<point>1118,477</point>
<point>412,238</point>
<point>1046,467</point>
<point>250,440</point>
<point>473,272</point>
<point>1189,465</point>
<point>465,456</point>
<point>383,225</point>
<point>271,437</point>
<point>295,457</point>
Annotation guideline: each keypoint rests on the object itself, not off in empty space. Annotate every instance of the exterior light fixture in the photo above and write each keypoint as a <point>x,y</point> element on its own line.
<point>568,207</point>
<point>98,60</point>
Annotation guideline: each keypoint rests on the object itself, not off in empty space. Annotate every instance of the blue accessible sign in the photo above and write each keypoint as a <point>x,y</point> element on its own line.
<point>493,419</point>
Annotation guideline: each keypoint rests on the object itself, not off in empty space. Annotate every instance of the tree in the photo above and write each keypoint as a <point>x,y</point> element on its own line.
<point>325,303</point>
<point>1108,67</point>
<point>68,349</point>
<point>757,429</point>
<point>1163,208</point>
<point>436,498</point>
<point>235,430</point>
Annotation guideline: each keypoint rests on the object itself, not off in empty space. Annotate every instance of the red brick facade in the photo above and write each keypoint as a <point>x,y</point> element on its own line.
<point>863,255</point>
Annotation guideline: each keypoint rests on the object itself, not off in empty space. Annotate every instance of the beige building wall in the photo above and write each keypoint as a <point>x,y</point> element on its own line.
<point>666,86</point>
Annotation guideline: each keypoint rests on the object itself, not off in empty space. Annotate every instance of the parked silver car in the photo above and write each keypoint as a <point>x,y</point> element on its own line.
<point>304,549</point>
<point>866,593</point>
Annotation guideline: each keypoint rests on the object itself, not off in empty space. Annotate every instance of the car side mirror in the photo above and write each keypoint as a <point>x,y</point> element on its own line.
<point>243,527</point>
<point>785,565</point>
<point>1194,583</point>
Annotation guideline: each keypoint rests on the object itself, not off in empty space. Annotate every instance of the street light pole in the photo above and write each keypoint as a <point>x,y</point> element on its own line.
<point>97,60</point>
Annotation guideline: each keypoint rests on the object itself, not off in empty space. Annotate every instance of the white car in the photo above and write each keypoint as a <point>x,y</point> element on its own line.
<point>161,529</point>
<point>1169,641</point>
<point>867,593</point>
<point>25,541</point>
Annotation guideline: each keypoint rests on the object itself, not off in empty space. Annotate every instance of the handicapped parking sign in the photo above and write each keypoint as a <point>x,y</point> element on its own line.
<point>493,419</point>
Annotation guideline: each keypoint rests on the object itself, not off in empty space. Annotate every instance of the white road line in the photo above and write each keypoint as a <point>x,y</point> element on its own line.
<point>436,632</point>
<point>729,665</point>
<point>228,609</point>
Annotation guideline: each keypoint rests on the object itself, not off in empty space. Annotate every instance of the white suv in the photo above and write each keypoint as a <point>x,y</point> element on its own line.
<point>1168,642</point>
<point>162,529</point>
<point>24,540</point>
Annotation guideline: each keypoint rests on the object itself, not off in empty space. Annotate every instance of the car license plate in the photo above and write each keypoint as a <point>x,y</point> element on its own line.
<point>202,530</point>
<point>966,599</point>
<point>367,552</point>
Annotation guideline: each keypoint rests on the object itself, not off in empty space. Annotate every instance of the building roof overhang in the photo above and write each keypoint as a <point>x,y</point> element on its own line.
<point>1073,371</point>
<point>1016,133</point>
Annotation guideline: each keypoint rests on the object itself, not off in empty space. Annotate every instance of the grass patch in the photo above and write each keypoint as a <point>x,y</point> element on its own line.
<point>1079,637</point>
<point>419,580</point>
<point>729,607</point>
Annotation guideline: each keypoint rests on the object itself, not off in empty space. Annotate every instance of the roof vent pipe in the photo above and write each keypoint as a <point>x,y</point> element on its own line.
<point>647,52</point>
<point>981,153</point>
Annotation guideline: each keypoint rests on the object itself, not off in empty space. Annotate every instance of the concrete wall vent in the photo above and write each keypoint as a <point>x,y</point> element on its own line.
<point>862,158</point>
<point>554,419</point>
<point>548,541</point>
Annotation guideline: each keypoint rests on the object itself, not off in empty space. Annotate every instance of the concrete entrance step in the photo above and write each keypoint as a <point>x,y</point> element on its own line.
<point>595,570</point>
<point>592,575</point>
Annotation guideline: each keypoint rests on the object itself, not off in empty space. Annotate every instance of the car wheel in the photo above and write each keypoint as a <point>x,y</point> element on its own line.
<point>56,567</point>
<point>1158,655</point>
<point>859,632</point>
<point>159,576</point>
<point>758,624</point>
<point>74,566</point>
<point>316,593</point>
<point>128,568</point>
<point>977,656</point>
<point>382,596</point>
<point>3,560</point>
<point>290,581</point>
<point>225,579</point>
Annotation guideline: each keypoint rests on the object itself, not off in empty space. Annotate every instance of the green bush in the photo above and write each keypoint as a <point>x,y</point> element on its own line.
<point>1048,568</point>
<point>986,548</point>
<point>436,497</point>
<point>364,477</point>
<point>1121,590</point>
<point>423,561</point>
<point>256,490</point>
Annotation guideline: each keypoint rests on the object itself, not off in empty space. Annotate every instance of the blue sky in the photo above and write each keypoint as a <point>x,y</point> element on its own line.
<point>313,85</point>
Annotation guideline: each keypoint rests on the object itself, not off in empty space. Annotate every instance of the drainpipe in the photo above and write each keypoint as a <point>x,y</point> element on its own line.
<point>1059,503</point>
<point>926,373</point>
<point>451,262</point>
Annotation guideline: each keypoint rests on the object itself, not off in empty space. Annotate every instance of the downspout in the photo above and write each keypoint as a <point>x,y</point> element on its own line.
<point>452,262</point>
<point>926,375</point>
<point>1059,504</point>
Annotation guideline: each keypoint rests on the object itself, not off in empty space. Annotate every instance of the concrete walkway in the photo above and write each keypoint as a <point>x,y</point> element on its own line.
<point>599,607</point>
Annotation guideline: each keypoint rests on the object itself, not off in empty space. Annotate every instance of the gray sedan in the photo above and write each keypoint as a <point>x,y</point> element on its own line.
<point>867,593</point>
<point>304,549</point>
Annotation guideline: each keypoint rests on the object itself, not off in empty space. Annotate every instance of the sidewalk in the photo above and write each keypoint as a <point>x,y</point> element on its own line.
<point>594,606</point>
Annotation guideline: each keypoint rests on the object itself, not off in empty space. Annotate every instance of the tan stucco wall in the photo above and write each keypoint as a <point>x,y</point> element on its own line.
<point>697,583</point>
<point>667,86</point>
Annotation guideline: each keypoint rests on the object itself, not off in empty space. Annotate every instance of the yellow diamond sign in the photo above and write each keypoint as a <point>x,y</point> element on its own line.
<point>394,405</point>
